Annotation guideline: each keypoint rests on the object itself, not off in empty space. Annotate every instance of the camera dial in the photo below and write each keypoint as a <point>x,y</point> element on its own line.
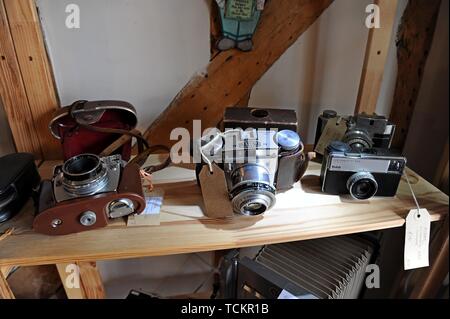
<point>362,185</point>
<point>287,140</point>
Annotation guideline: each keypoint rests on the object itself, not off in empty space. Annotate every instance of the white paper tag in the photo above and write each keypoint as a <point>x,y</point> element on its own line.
<point>333,131</point>
<point>417,239</point>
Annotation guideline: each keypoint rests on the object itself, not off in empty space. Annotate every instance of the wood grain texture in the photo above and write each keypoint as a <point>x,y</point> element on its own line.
<point>414,40</point>
<point>377,49</point>
<point>13,94</point>
<point>300,213</point>
<point>5,290</point>
<point>71,292</point>
<point>35,69</point>
<point>231,74</point>
<point>91,281</point>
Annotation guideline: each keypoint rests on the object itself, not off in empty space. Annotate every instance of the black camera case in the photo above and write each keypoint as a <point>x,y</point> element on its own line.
<point>18,178</point>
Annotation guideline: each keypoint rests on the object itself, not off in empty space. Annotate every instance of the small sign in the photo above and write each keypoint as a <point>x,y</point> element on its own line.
<point>240,9</point>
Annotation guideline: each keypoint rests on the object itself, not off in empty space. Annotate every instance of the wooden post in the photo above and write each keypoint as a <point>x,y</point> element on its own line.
<point>375,59</point>
<point>414,41</point>
<point>35,69</point>
<point>64,273</point>
<point>13,94</point>
<point>5,290</point>
<point>91,280</point>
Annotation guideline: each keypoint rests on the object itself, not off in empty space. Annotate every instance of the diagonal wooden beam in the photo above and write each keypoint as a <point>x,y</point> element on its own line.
<point>232,74</point>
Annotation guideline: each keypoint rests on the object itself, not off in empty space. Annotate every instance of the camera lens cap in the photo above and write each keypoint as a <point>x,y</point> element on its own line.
<point>339,146</point>
<point>288,140</point>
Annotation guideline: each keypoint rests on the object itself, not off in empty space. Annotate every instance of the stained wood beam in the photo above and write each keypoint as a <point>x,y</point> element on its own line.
<point>377,49</point>
<point>13,94</point>
<point>231,74</point>
<point>414,40</point>
<point>35,69</point>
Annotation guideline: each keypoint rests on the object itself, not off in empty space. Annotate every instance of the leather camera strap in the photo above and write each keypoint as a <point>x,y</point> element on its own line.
<point>144,149</point>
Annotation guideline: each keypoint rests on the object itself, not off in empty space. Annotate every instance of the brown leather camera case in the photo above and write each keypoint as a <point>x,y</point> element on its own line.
<point>68,212</point>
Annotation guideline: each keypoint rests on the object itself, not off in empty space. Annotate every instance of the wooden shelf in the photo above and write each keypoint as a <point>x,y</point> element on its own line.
<point>301,213</point>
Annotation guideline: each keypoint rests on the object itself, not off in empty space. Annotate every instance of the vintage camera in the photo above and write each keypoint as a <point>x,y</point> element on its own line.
<point>86,192</point>
<point>257,162</point>
<point>362,174</point>
<point>363,131</point>
<point>18,179</point>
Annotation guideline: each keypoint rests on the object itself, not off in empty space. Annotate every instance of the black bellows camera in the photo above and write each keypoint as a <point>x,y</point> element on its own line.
<point>358,161</point>
<point>18,178</point>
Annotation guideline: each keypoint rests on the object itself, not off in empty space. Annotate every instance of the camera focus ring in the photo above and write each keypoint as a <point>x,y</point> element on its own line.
<point>362,185</point>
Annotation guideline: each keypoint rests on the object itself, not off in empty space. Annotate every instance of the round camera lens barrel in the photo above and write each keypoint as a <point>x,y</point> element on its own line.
<point>362,185</point>
<point>82,167</point>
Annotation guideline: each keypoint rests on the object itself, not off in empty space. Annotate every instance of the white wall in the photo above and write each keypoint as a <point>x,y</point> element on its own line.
<point>140,51</point>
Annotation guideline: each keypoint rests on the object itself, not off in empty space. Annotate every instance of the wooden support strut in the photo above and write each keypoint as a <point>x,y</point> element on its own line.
<point>13,95</point>
<point>375,59</point>
<point>35,70</point>
<point>414,40</point>
<point>231,74</point>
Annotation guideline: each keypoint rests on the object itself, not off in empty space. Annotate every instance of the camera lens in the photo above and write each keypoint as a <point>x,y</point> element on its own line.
<point>252,193</point>
<point>84,175</point>
<point>82,167</point>
<point>362,185</point>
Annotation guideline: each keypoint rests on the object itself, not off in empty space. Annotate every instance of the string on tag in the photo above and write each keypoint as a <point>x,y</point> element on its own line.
<point>219,135</point>
<point>412,193</point>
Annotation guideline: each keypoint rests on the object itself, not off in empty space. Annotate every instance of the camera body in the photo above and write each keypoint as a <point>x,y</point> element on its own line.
<point>257,162</point>
<point>86,192</point>
<point>362,174</point>
<point>363,131</point>
<point>19,177</point>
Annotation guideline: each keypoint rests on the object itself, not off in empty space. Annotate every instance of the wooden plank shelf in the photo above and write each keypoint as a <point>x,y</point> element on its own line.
<point>300,213</point>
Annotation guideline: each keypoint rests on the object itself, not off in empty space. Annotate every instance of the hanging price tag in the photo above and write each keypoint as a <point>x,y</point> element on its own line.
<point>417,239</point>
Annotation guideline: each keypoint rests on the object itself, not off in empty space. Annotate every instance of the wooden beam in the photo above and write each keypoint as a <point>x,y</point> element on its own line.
<point>5,290</point>
<point>71,292</point>
<point>91,281</point>
<point>414,41</point>
<point>377,49</point>
<point>231,74</point>
<point>36,70</point>
<point>13,94</point>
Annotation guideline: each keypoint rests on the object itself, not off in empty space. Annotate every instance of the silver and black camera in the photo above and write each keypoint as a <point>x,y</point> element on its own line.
<point>257,162</point>
<point>362,174</point>
<point>86,192</point>
<point>363,131</point>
